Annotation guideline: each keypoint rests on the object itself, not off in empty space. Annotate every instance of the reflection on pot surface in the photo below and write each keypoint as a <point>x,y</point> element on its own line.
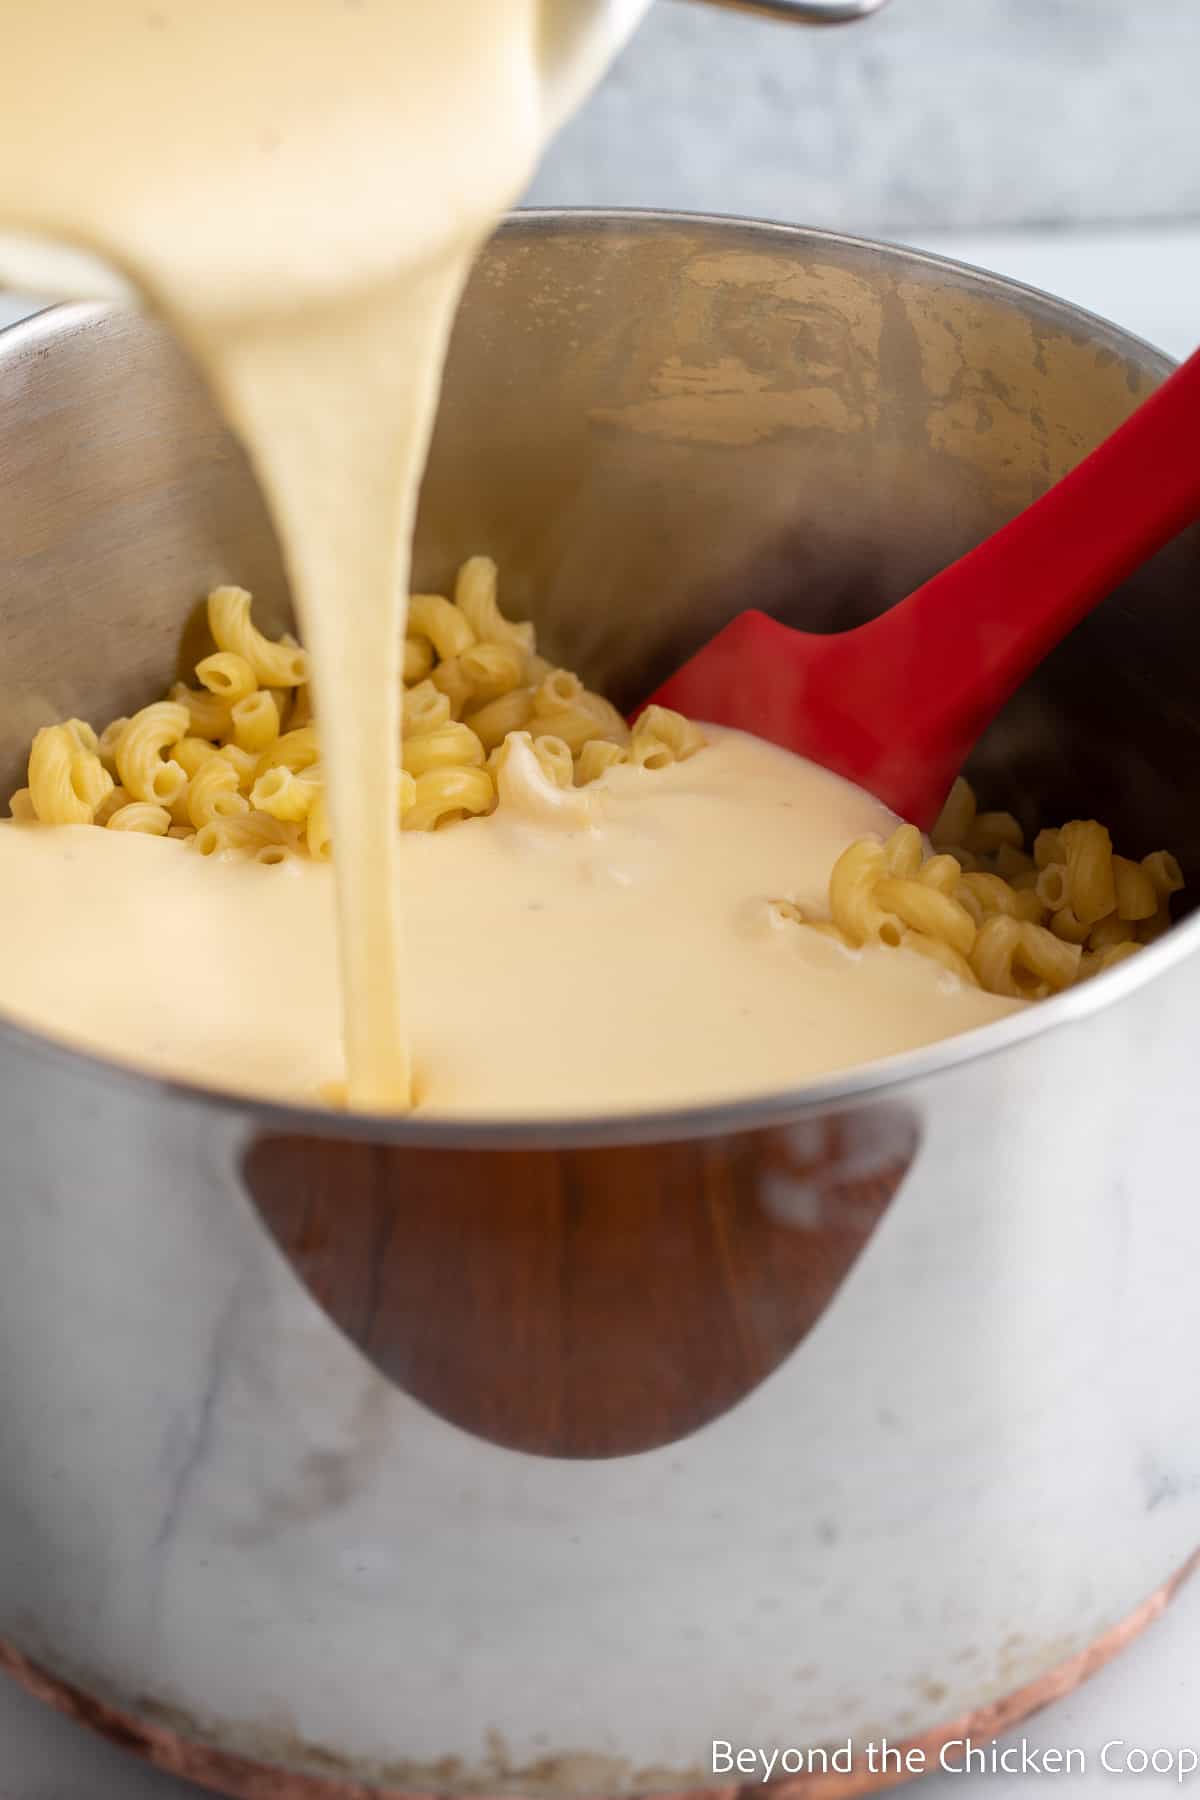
<point>591,1302</point>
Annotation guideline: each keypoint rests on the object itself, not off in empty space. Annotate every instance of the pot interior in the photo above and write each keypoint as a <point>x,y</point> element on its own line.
<point>651,423</point>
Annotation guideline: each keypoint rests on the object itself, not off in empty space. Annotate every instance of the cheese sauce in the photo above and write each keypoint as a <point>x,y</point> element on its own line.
<point>301,188</point>
<point>604,950</point>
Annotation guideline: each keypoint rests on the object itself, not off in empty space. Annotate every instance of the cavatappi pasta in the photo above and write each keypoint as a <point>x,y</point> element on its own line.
<point>1019,923</point>
<point>233,762</point>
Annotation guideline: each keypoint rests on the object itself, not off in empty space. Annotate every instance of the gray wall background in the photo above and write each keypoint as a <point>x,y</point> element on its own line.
<point>935,113</point>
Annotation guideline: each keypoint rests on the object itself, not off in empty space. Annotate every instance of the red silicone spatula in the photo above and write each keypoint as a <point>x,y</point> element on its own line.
<point>896,704</point>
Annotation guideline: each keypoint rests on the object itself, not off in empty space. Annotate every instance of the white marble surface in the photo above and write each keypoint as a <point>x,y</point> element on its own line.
<point>934,112</point>
<point>1151,1697</point>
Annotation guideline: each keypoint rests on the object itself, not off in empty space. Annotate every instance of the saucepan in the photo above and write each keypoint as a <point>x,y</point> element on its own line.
<point>358,1457</point>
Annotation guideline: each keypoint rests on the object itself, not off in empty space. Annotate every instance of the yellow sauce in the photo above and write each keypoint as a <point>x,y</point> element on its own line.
<point>301,188</point>
<point>590,951</point>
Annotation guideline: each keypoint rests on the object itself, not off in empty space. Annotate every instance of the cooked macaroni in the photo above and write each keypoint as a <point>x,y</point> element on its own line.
<point>443,624</point>
<point>488,722</point>
<point>660,737</point>
<point>140,815</point>
<point>281,664</point>
<point>233,763</point>
<point>59,785</point>
<point>145,771</point>
<point>475,594</point>
<point>448,793</point>
<point>213,792</point>
<point>283,794</point>
<point>255,722</point>
<point>1025,927</point>
<point>208,715</point>
<point>227,675</point>
<point>508,712</point>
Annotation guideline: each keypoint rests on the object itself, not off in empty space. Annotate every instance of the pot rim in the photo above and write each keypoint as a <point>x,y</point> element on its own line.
<point>37,334</point>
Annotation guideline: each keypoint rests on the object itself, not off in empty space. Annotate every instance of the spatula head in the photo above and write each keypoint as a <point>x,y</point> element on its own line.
<point>838,700</point>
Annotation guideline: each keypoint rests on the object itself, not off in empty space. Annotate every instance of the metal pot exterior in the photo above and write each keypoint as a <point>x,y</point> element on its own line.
<point>843,1416</point>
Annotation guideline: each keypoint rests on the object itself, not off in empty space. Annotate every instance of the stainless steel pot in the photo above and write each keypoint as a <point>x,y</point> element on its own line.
<point>848,1413</point>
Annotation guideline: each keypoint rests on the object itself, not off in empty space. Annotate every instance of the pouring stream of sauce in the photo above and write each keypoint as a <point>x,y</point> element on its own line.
<point>302,190</point>
<point>597,951</point>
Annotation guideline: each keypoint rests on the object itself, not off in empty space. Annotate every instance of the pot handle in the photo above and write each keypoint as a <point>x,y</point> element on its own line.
<point>806,12</point>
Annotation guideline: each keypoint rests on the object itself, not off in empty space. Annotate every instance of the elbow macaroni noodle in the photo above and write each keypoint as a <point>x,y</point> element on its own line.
<point>475,597</point>
<point>140,815</point>
<point>61,785</point>
<point>145,770</point>
<point>281,664</point>
<point>226,675</point>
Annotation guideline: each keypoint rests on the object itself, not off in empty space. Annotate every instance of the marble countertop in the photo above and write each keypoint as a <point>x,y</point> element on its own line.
<point>1150,1697</point>
<point>937,112</point>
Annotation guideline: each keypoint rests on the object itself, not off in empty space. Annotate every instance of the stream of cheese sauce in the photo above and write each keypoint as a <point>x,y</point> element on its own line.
<point>301,189</point>
<point>591,951</point>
